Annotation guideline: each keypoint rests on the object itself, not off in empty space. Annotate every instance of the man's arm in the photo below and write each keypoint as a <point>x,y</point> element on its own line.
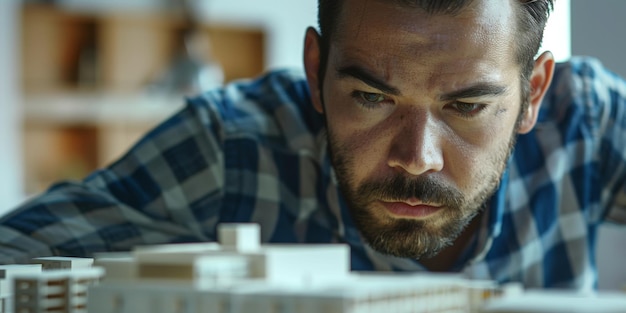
<point>151,195</point>
<point>604,94</point>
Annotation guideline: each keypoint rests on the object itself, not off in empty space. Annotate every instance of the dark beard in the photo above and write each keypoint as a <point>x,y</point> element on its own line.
<point>405,237</point>
<point>396,236</point>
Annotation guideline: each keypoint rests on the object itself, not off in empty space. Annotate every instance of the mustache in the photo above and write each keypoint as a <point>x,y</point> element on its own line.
<point>424,188</point>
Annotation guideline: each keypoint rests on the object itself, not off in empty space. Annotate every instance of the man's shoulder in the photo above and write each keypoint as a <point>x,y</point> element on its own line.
<point>274,106</point>
<point>581,86</point>
<point>271,89</point>
<point>585,76</point>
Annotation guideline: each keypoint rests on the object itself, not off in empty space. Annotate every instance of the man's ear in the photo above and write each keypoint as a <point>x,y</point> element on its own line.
<point>312,66</point>
<point>540,80</point>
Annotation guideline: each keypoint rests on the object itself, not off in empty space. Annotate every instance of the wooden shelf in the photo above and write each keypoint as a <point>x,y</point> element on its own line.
<point>122,51</point>
<point>84,78</point>
<point>63,108</point>
<point>67,135</point>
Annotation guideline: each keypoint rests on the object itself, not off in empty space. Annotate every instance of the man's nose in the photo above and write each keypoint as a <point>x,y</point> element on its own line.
<point>417,147</point>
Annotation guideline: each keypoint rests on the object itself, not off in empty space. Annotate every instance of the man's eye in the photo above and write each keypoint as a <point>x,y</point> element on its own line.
<point>370,100</point>
<point>371,97</point>
<point>468,109</point>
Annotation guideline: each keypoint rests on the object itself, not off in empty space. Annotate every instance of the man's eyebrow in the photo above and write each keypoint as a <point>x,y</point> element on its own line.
<point>475,91</point>
<point>368,78</point>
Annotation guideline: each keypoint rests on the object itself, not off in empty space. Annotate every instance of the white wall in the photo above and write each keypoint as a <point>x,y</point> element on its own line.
<point>598,30</point>
<point>11,186</point>
<point>557,35</point>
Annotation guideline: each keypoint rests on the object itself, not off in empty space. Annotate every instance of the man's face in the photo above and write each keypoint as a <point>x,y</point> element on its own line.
<point>421,113</point>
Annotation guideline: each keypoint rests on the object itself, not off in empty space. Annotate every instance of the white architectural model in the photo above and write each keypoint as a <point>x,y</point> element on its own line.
<point>239,275</point>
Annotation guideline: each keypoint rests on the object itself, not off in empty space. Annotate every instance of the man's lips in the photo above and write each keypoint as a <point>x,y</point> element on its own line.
<point>410,208</point>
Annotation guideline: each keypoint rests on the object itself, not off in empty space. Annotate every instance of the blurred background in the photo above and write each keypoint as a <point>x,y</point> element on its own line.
<point>81,80</point>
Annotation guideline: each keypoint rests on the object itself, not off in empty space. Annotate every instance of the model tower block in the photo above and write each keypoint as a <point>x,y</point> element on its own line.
<point>7,273</point>
<point>63,291</point>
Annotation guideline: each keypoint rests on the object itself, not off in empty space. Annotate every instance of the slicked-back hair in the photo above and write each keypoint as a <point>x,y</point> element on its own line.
<point>532,16</point>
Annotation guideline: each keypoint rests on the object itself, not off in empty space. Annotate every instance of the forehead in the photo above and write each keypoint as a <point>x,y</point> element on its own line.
<point>478,17</point>
<point>391,36</point>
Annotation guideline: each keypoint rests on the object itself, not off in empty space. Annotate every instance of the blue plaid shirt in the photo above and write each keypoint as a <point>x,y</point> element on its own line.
<point>255,151</point>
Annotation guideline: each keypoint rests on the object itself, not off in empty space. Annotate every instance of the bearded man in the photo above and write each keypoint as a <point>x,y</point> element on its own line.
<point>428,135</point>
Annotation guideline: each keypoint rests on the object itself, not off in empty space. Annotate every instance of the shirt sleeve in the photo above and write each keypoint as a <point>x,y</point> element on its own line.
<point>604,93</point>
<point>165,189</point>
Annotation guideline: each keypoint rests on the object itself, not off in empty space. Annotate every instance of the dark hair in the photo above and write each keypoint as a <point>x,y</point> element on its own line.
<point>532,17</point>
